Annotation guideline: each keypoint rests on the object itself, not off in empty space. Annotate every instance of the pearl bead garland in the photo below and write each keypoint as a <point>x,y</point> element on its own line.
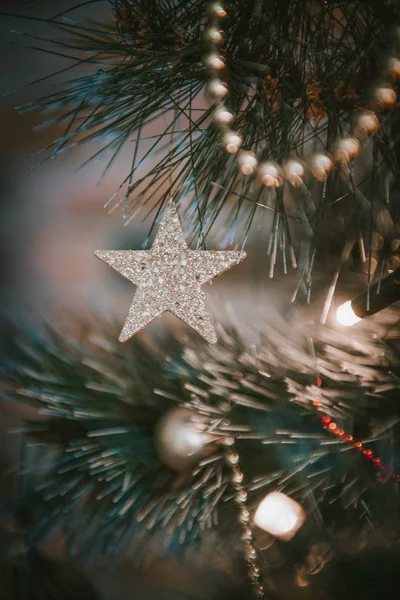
<point>268,173</point>
<point>247,162</point>
<point>222,116</point>
<point>367,124</point>
<point>240,498</point>
<point>385,97</point>
<point>347,149</point>
<point>294,172</point>
<point>216,89</point>
<point>321,166</point>
<point>232,141</point>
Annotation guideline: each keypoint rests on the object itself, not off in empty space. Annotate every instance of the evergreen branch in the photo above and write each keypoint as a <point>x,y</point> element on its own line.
<point>103,402</point>
<point>298,74</point>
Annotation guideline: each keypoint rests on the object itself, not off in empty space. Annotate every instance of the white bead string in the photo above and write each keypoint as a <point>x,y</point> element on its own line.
<point>270,173</point>
<point>247,538</point>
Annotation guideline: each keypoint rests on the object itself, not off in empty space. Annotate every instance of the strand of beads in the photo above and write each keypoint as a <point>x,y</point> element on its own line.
<point>384,473</point>
<point>270,173</point>
<point>250,553</point>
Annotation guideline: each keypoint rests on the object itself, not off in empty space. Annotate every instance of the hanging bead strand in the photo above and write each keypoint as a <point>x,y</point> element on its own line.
<point>250,552</point>
<point>269,173</point>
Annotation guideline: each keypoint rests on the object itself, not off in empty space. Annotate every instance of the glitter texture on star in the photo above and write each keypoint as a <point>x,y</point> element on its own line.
<point>168,277</point>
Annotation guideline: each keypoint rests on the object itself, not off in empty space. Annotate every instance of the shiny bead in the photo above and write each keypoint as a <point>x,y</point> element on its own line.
<point>358,445</point>
<point>294,172</point>
<point>232,459</point>
<point>250,553</point>
<point>217,10</point>
<point>254,573</point>
<point>214,35</point>
<point>232,142</point>
<point>340,433</point>
<point>270,175</point>
<point>244,516</point>
<point>229,441</point>
<point>259,591</point>
<point>321,166</point>
<point>368,454</point>
<point>367,124</point>
<point>216,89</point>
<point>221,116</point>
<point>279,515</point>
<point>241,497</point>
<point>247,162</point>
<point>237,486</point>
<point>349,438</point>
<point>247,535</point>
<point>214,61</point>
<point>326,420</point>
<point>237,476</point>
<point>394,67</point>
<point>385,474</point>
<point>347,149</point>
<point>385,97</point>
<point>377,462</point>
<point>332,426</point>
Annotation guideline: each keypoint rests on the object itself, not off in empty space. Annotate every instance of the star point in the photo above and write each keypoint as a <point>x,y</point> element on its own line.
<point>168,277</point>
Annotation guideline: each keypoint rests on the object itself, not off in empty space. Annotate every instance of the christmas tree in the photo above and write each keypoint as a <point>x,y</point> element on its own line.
<point>247,448</point>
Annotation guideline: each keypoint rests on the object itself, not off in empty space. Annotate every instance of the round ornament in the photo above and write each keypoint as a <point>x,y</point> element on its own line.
<point>181,439</point>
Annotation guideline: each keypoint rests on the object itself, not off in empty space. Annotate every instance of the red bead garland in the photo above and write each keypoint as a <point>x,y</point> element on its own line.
<point>384,473</point>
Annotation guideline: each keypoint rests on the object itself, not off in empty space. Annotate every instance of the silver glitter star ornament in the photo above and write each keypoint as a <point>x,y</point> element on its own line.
<point>168,277</point>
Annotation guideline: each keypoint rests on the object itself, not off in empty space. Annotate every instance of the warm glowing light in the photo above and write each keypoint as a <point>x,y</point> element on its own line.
<point>346,315</point>
<point>280,516</point>
<point>386,97</point>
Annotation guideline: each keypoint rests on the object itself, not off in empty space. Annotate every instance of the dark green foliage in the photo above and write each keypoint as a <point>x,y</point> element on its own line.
<point>299,73</point>
<point>107,489</point>
<point>26,575</point>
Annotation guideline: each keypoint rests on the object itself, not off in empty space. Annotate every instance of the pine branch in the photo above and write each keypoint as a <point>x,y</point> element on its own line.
<point>299,72</point>
<point>108,489</point>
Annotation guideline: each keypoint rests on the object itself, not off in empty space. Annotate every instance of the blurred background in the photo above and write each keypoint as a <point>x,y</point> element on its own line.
<point>52,218</point>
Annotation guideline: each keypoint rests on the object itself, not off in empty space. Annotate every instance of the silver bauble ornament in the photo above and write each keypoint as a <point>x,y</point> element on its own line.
<point>367,124</point>
<point>181,439</point>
